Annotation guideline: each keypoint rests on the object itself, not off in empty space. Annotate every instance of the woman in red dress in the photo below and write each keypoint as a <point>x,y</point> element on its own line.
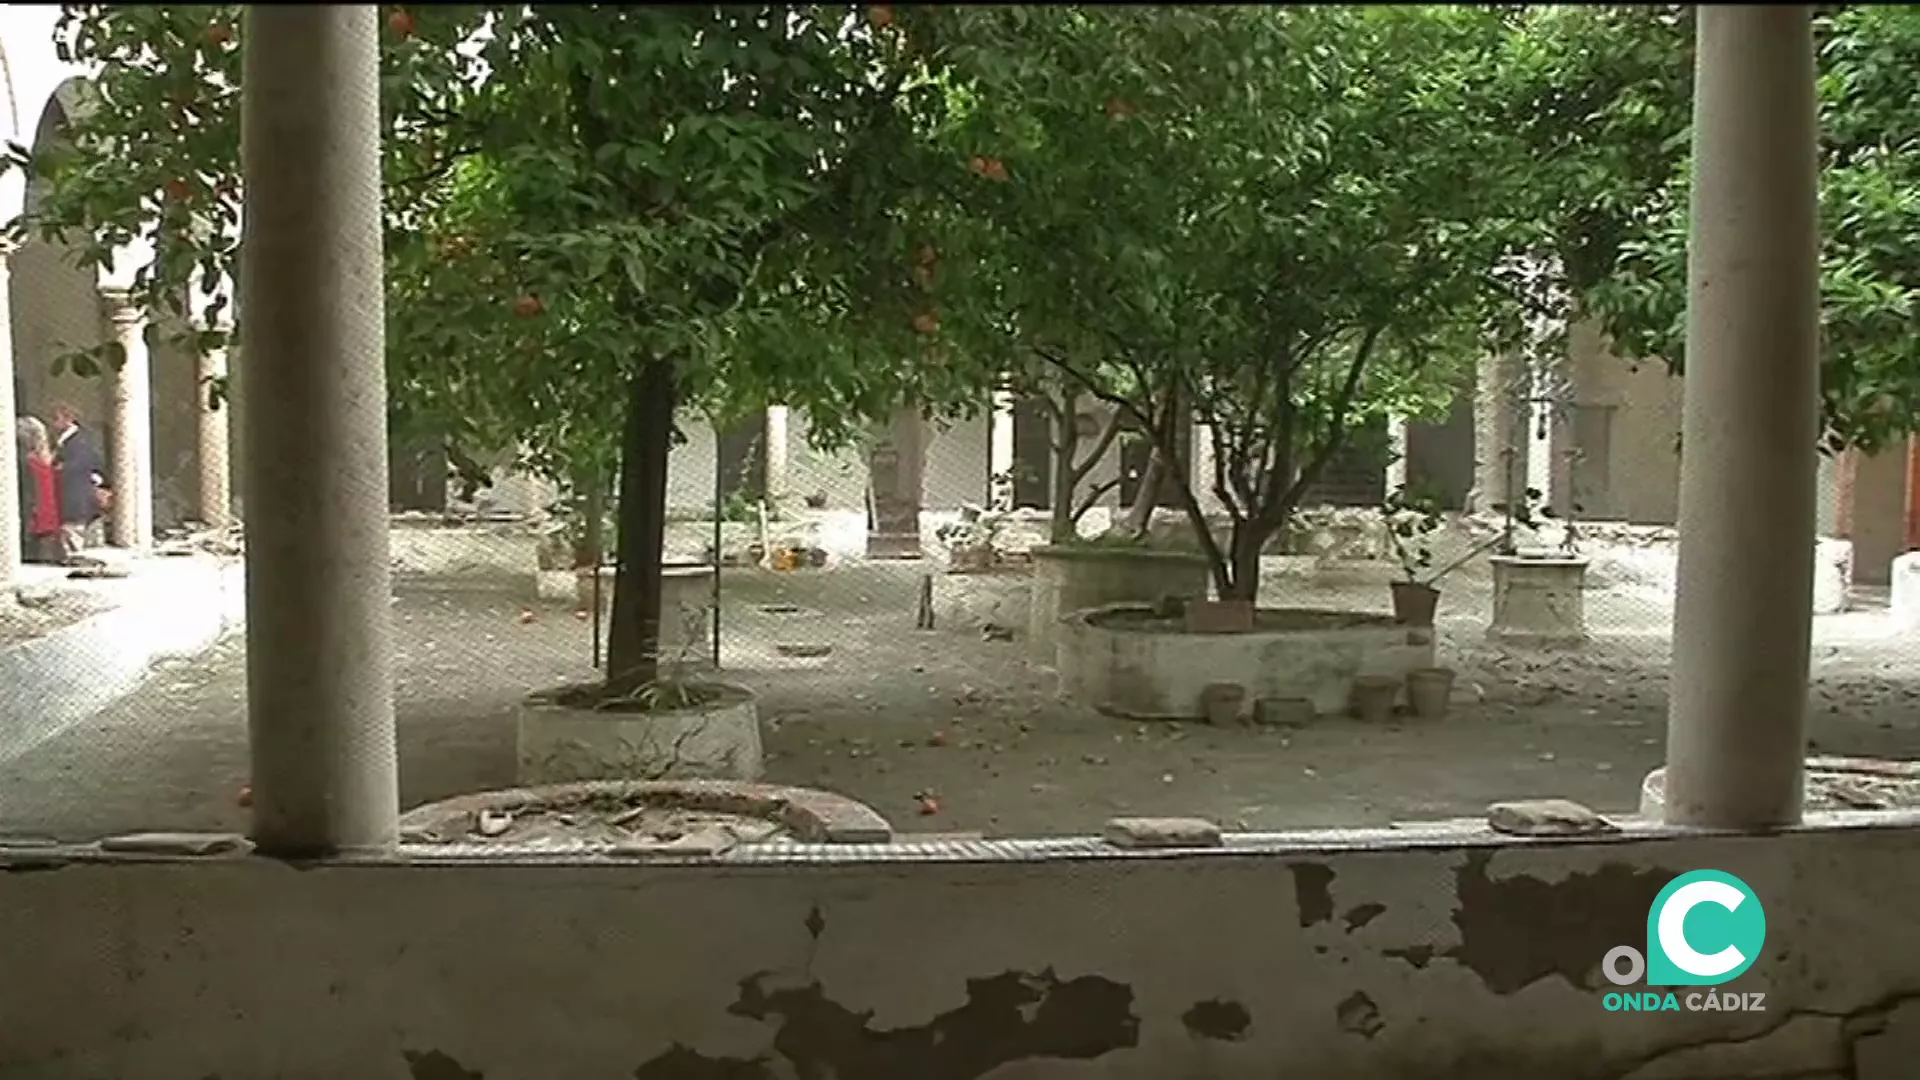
<point>39,495</point>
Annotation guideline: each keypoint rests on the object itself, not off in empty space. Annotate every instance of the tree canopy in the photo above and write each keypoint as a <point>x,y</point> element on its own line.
<point>1290,221</point>
<point>1286,222</point>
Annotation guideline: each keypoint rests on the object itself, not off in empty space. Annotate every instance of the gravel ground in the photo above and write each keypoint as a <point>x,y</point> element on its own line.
<point>892,714</point>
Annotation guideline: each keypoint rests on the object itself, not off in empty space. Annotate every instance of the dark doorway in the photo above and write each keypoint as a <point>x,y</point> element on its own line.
<point>417,476</point>
<point>1135,451</point>
<point>1032,454</point>
<point>1357,475</point>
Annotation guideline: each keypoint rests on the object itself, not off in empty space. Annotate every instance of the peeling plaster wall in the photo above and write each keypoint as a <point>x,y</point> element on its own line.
<point>1442,961</point>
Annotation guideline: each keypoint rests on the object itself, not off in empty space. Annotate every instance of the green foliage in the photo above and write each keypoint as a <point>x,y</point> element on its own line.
<point>1869,58</point>
<point>1287,220</point>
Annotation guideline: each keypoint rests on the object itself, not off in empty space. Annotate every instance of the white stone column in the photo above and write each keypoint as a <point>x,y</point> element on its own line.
<point>10,524</point>
<point>314,461</point>
<point>1396,471</point>
<point>1502,436</point>
<point>1743,617</point>
<point>130,427</point>
<point>213,496</point>
<point>778,454</point>
<point>1000,461</point>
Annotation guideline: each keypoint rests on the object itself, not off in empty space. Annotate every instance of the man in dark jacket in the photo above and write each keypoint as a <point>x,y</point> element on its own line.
<point>84,491</point>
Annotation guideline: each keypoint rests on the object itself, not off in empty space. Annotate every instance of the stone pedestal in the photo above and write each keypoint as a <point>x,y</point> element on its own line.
<point>1904,604</point>
<point>1538,601</point>
<point>1832,575</point>
<point>896,465</point>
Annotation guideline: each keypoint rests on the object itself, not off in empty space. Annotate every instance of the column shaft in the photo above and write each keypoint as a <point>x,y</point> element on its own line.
<point>1502,409</point>
<point>1743,617</point>
<point>778,450</point>
<point>130,428</point>
<point>314,464</point>
<point>10,524</point>
<point>213,499</point>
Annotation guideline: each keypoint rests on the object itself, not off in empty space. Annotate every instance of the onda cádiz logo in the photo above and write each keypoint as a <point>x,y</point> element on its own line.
<point>1705,928</point>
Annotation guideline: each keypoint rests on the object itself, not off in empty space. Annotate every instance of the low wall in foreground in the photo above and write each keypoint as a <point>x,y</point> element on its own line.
<point>1424,953</point>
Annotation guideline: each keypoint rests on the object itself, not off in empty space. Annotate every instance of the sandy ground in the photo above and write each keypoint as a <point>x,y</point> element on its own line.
<point>894,712</point>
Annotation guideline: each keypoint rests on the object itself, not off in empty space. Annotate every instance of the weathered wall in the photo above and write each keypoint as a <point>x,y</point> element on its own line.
<point>1876,520</point>
<point>1323,961</point>
<point>1625,420</point>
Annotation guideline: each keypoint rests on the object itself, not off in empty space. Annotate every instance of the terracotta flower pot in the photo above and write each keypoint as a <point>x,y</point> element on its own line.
<point>1221,703</point>
<point>1374,696</point>
<point>1428,690</point>
<point>1414,603</point>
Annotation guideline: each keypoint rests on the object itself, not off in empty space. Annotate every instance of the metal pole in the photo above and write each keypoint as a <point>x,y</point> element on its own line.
<point>595,508</point>
<point>719,483</point>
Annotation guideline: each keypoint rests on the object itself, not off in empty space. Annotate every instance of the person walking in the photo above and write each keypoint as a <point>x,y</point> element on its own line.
<point>85,491</point>
<point>40,540</point>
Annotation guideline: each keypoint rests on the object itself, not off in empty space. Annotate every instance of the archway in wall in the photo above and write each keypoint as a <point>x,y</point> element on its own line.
<point>56,308</point>
<point>54,304</point>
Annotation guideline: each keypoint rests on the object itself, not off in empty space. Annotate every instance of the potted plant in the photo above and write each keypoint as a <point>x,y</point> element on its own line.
<point>1412,517</point>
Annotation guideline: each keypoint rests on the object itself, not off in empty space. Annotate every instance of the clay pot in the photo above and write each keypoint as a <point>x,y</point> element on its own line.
<point>1414,603</point>
<point>1428,690</point>
<point>1283,711</point>
<point>1373,697</point>
<point>1221,703</point>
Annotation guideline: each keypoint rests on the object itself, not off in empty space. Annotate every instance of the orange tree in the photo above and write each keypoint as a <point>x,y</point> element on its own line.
<point>1602,95</point>
<point>596,215</point>
<point>1290,221</point>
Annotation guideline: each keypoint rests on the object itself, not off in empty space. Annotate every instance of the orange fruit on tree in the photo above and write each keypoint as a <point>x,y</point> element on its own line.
<point>528,306</point>
<point>926,323</point>
<point>880,16</point>
<point>401,23</point>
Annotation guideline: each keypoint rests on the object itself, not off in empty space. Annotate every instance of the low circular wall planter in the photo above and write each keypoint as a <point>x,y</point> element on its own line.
<point>1124,660</point>
<point>1074,577</point>
<point>1832,783</point>
<point>686,817</point>
<point>1538,601</point>
<point>717,738</point>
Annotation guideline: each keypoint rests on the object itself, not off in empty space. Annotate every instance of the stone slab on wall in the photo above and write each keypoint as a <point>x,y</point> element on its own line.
<point>1423,954</point>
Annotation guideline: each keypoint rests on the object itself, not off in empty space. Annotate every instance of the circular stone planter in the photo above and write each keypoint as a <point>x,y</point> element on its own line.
<point>1075,577</point>
<point>1538,601</point>
<point>1124,660</point>
<point>668,817</point>
<point>1832,783</point>
<point>716,739</point>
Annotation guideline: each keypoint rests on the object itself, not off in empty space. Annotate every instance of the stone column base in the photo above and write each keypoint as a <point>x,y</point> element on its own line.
<point>894,546</point>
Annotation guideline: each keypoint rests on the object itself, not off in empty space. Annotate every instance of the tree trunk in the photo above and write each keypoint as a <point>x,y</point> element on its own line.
<point>1061,527</point>
<point>633,639</point>
<point>1140,514</point>
<point>1243,561</point>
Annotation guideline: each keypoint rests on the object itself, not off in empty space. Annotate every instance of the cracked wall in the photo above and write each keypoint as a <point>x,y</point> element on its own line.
<point>1426,962</point>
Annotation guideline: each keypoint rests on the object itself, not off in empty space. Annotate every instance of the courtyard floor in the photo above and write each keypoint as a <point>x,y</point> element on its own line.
<point>893,713</point>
